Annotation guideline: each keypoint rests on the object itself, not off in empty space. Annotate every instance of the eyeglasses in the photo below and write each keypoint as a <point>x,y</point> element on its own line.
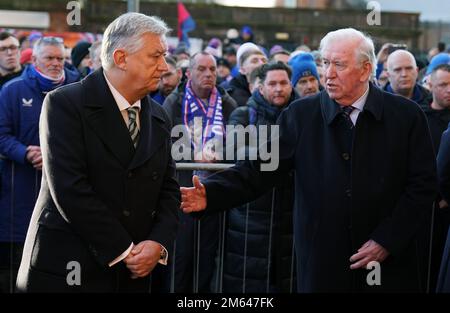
<point>12,48</point>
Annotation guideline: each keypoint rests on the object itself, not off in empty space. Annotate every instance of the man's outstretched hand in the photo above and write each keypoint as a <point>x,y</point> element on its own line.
<point>193,199</point>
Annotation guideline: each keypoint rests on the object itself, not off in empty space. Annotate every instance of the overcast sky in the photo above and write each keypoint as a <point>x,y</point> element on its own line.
<point>430,10</point>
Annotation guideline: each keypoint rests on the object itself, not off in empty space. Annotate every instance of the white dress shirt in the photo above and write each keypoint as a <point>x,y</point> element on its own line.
<point>359,106</point>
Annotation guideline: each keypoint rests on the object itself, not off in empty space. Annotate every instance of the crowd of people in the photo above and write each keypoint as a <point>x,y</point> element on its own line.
<point>364,169</point>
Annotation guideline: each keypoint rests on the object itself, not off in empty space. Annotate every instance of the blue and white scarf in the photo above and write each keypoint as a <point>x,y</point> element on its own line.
<point>47,83</point>
<point>212,127</point>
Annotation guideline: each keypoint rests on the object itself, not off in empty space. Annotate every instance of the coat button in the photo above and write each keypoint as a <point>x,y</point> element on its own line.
<point>348,192</point>
<point>346,156</point>
<point>155,175</point>
<point>126,213</point>
<point>130,174</point>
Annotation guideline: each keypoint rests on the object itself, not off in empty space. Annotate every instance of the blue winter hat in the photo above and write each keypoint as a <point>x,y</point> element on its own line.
<point>438,59</point>
<point>247,30</point>
<point>303,65</point>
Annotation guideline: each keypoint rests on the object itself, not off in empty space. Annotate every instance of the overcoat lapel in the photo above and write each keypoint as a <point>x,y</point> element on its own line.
<point>103,115</point>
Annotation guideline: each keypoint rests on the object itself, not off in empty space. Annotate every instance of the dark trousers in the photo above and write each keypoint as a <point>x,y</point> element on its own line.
<point>195,254</point>
<point>10,256</point>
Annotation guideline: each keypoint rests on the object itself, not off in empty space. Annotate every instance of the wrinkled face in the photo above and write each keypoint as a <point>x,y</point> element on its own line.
<point>145,66</point>
<point>203,74</point>
<point>9,55</point>
<point>440,87</point>
<point>50,61</point>
<point>307,86</point>
<point>346,78</point>
<point>169,80</point>
<point>252,62</point>
<point>277,88</point>
<point>402,72</point>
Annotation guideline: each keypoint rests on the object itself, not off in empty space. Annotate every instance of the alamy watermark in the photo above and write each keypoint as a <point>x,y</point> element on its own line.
<point>242,143</point>
<point>374,276</point>
<point>74,16</point>
<point>73,277</point>
<point>374,16</point>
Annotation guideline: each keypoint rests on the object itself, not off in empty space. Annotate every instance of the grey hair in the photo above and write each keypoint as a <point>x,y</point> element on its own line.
<point>193,59</point>
<point>365,50</point>
<point>126,31</point>
<point>47,41</point>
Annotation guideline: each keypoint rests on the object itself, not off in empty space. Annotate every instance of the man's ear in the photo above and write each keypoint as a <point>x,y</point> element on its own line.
<point>367,71</point>
<point>428,80</point>
<point>260,88</point>
<point>120,59</point>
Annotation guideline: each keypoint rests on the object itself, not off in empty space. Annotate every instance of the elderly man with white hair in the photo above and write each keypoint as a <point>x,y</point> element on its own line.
<point>107,209</point>
<point>362,186</point>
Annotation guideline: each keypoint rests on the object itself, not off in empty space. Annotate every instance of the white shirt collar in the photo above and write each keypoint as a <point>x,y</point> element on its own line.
<point>359,104</point>
<point>121,102</point>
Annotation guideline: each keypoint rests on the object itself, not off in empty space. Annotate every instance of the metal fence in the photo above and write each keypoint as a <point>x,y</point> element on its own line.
<point>220,259</point>
<point>217,283</point>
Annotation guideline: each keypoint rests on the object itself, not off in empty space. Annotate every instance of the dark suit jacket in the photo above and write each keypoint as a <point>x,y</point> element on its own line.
<point>98,192</point>
<point>381,189</point>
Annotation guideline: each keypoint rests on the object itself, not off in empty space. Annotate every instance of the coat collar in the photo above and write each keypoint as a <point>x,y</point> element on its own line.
<point>103,115</point>
<point>374,104</point>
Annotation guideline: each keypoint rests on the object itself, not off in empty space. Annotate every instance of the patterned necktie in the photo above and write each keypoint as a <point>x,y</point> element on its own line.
<point>346,111</point>
<point>132,125</point>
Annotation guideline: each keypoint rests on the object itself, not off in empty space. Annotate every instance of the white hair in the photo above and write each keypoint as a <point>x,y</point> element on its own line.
<point>47,41</point>
<point>126,31</point>
<point>365,50</point>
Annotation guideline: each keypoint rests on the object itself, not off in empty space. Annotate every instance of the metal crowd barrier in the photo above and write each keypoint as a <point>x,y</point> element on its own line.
<point>219,270</point>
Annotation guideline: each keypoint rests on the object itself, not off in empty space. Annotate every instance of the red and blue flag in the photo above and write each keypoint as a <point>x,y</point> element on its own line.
<point>185,24</point>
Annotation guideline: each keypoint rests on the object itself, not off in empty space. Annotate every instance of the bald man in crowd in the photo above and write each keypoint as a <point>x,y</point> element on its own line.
<point>402,75</point>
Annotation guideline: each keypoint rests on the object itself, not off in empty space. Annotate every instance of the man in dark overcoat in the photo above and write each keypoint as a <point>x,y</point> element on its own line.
<point>365,178</point>
<point>106,214</point>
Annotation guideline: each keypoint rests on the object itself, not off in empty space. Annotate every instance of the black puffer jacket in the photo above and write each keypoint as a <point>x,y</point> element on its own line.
<point>259,244</point>
<point>438,122</point>
<point>421,96</point>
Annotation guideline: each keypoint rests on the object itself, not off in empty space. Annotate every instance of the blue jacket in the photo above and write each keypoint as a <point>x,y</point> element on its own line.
<point>20,107</point>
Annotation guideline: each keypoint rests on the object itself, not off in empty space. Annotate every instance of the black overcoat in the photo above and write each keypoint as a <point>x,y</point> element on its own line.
<point>379,188</point>
<point>98,192</point>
